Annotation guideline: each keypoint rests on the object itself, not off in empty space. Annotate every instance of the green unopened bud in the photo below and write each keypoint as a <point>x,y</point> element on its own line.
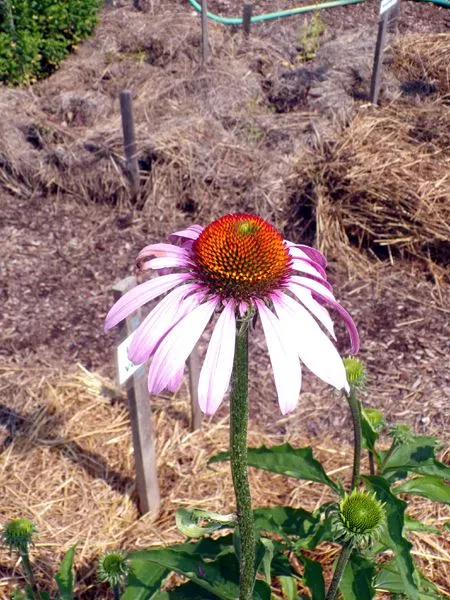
<point>18,533</point>
<point>402,433</point>
<point>360,517</point>
<point>356,372</point>
<point>375,418</point>
<point>113,567</point>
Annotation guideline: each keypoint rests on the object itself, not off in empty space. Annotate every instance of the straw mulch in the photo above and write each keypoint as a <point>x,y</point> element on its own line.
<point>67,464</point>
<point>423,59</point>
<point>383,185</point>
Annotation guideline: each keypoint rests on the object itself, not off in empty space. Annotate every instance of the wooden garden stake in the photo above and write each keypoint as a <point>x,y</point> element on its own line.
<point>139,409</point>
<point>129,141</point>
<point>205,47</point>
<point>193,363</point>
<point>247,17</point>
<point>386,8</point>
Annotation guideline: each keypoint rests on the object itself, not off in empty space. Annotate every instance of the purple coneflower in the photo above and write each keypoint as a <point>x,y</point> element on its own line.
<point>237,266</point>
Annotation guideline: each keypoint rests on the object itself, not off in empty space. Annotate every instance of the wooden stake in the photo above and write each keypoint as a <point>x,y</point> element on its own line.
<point>247,17</point>
<point>194,374</point>
<point>129,140</point>
<point>378,60</point>
<point>205,46</point>
<point>140,417</point>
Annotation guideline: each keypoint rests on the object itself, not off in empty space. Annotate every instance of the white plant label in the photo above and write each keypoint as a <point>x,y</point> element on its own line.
<point>386,5</point>
<point>125,367</point>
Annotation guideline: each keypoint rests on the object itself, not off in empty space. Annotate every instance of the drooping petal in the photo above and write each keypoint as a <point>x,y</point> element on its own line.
<point>312,253</point>
<point>140,295</point>
<point>175,348</point>
<point>315,349</point>
<point>304,267</point>
<point>218,366</point>
<point>159,321</point>
<point>319,311</point>
<point>159,250</point>
<point>325,296</point>
<point>174,384</point>
<point>301,260</point>
<point>166,262</point>
<point>191,233</point>
<point>284,359</point>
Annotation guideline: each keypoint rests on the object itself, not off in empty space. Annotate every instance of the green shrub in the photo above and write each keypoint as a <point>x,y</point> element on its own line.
<point>35,35</point>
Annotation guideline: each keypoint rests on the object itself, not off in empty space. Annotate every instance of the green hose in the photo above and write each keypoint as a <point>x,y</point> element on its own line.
<point>277,15</point>
<point>293,11</point>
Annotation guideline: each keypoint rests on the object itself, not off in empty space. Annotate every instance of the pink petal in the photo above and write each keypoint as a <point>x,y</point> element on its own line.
<point>166,262</point>
<point>175,348</point>
<point>158,322</point>
<point>311,253</point>
<point>313,285</point>
<point>284,359</point>
<point>174,384</point>
<point>314,307</point>
<point>191,233</point>
<point>315,349</point>
<point>218,366</point>
<point>159,250</point>
<point>301,258</point>
<point>304,267</point>
<point>142,294</point>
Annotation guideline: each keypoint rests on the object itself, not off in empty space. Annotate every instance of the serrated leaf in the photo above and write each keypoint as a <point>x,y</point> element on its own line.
<point>428,486</point>
<point>289,587</point>
<point>313,578</point>
<point>416,456</point>
<point>286,460</point>
<point>64,576</point>
<point>357,579</point>
<point>395,510</point>
<point>187,522</point>
<point>388,579</point>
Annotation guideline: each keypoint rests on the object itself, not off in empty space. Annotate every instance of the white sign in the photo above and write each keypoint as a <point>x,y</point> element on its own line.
<point>386,5</point>
<point>125,368</point>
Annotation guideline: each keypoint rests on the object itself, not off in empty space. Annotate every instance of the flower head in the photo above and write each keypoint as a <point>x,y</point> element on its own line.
<point>237,266</point>
<point>359,517</point>
<point>18,533</point>
<point>113,567</point>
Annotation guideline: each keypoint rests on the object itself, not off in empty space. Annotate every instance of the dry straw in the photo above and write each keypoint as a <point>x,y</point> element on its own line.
<point>67,465</point>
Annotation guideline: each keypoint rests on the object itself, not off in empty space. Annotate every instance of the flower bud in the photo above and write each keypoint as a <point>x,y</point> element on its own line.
<point>113,567</point>
<point>18,533</point>
<point>360,517</point>
<point>356,372</point>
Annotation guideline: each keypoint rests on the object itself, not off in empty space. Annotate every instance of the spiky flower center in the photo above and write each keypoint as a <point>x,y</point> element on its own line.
<point>241,256</point>
<point>361,513</point>
<point>112,567</point>
<point>18,533</point>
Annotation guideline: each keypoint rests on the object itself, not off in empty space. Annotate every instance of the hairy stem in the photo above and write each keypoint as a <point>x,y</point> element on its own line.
<point>357,435</point>
<point>341,563</point>
<point>29,574</point>
<point>371,463</point>
<point>239,468</point>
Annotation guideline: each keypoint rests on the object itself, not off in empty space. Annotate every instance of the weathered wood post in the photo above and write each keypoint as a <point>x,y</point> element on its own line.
<point>139,409</point>
<point>386,7</point>
<point>204,24</point>
<point>129,141</point>
<point>247,17</point>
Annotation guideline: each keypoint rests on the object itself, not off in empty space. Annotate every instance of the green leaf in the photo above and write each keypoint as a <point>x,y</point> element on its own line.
<point>285,460</point>
<point>388,579</point>
<point>415,525</point>
<point>144,579</point>
<point>219,577</point>
<point>18,595</point>
<point>356,582</point>
<point>395,510</point>
<point>64,576</point>
<point>429,486</point>
<point>266,561</point>
<point>187,522</point>
<point>187,591</point>
<point>313,578</point>
<point>288,587</point>
<point>369,433</point>
<point>417,456</point>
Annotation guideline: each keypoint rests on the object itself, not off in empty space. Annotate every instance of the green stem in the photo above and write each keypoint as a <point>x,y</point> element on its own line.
<point>116,591</point>
<point>371,463</point>
<point>239,465</point>
<point>357,435</point>
<point>341,563</point>
<point>29,574</point>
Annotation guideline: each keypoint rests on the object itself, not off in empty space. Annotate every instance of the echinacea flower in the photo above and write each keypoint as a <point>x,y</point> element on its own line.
<point>237,266</point>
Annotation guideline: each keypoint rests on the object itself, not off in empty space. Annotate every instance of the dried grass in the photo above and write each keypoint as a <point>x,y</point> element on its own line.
<point>67,464</point>
<point>383,185</point>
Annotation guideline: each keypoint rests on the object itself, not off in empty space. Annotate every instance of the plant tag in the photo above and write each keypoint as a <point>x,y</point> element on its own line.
<point>386,5</point>
<point>125,368</point>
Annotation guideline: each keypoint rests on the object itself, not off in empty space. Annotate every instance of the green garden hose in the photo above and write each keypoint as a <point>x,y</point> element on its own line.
<point>292,11</point>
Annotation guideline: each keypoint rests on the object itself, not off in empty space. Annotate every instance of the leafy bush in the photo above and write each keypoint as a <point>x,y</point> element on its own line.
<point>35,35</point>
